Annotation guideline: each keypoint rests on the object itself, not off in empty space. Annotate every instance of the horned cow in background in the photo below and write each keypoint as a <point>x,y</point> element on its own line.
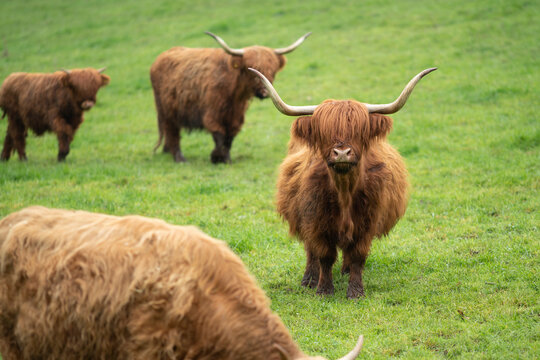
<point>81,285</point>
<point>341,183</point>
<point>210,89</point>
<point>47,102</point>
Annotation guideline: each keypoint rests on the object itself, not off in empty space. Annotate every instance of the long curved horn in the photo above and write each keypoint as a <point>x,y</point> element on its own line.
<point>280,104</point>
<point>372,108</point>
<point>354,353</point>
<point>402,98</point>
<point>294,45</point>
<point>102,69</point>
<point>238,52</point>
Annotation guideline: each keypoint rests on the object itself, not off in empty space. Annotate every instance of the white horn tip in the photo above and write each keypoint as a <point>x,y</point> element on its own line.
<point>427,71</point>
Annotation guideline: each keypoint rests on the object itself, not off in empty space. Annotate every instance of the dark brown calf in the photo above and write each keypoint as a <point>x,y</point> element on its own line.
<point>341,183</point>
<point>210,89</point>
<point>47,102</point>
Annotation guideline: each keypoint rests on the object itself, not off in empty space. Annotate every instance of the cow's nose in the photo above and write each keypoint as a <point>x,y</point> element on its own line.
<point>87,104</point>
<point>342,154</point>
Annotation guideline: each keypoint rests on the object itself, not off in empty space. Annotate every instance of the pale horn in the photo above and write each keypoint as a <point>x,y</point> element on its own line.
<point>402,98</point>
<point>372,108</point>
<point>229,50</point>
<point>294,45</point>
<point>280,104</point>
<point>102,70</point>
<point>354,353</point>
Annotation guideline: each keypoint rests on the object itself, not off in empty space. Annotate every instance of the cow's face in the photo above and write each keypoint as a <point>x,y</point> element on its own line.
<point>266,61</point>
<point>85,84</point>
<point>340,132</point>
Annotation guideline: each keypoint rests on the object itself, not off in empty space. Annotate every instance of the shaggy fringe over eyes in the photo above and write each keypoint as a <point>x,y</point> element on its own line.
<point>88,81</point>
<point>264,60</point>
<point>340,122</point>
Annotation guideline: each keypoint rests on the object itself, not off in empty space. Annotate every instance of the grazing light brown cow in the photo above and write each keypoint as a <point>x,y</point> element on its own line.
<point>341,183</point>
<point>47,102</point>
<point>210,89</point>
<point>80,285</point>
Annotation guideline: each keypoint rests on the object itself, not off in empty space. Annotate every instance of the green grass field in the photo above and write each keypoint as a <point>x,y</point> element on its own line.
<point>458,277</point>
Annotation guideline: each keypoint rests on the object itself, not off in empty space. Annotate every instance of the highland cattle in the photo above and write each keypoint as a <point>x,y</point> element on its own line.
<point>210,89</point>
<point>47,102</point>
<point>342,184</point>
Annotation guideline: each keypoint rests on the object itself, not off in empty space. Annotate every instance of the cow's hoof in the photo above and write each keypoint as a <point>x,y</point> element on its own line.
<point>355,292</point>
<point>179,158</point>
<point>309,282</point>
<point>329,290</point>
<point>220,159</point>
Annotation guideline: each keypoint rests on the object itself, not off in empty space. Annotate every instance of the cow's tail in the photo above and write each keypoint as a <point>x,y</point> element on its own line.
<point>1,108</point>
<point>160,139</point>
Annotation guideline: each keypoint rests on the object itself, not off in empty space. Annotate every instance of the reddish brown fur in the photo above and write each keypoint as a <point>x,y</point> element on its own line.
<point>47,102</point>
<point>208,89</point>
<point>328,210</point>
<point>79,285</point>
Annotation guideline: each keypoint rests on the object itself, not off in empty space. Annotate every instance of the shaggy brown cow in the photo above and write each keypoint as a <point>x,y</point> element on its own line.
<point>47,102</point>
<point>341,183</point>
<point>79,285</point>
<point>210,89</point>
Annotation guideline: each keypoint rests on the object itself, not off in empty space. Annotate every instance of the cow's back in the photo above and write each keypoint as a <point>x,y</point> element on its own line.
<point>10,90</point>
<point>188,82</point>
<point>100,286</point>
<point>34,99</point>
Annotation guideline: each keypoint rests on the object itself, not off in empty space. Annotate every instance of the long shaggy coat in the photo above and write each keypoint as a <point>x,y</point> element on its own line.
<point>332,206</point>
<point>79,285</point>
<point>208,89</point>
<point>47,102</point>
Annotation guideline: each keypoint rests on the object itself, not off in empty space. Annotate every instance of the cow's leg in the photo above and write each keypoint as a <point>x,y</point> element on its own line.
<point>221,154</point>
<point>346,267</point>
<point>357,255</point>
<point>172,141</point>
<point>64,140</point>
<point>8,148</point>
<point>311,275</point>
<point>15,139</point>
<point>326,261</point>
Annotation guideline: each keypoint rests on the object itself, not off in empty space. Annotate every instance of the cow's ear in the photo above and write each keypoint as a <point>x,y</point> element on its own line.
<point>65,79</point>
<point>380,125</point>
<point>237,62</point>
<point>283,354</point>
<point>282,61</point>
<point>105,79</point>
<point>301,128</point>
